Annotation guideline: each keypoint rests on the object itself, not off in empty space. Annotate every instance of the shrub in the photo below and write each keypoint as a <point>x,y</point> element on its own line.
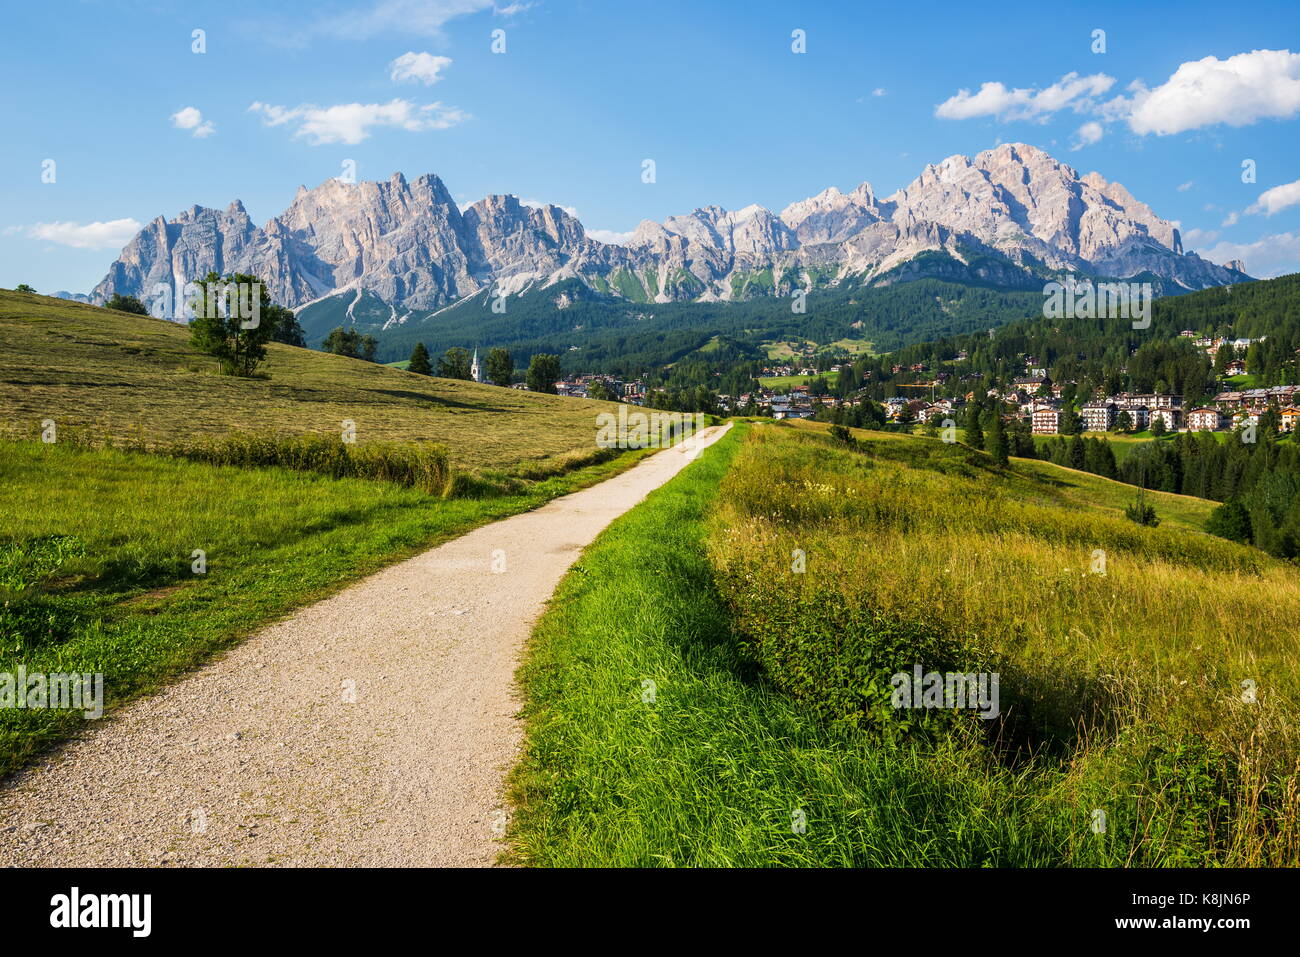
<point>1142,513</point>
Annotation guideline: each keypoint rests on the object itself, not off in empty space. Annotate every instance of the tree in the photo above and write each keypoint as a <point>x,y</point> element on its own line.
<point>222,313</point>
<point>974,432</point>
<point>543,371</point>
<point>1141,512</point>
<point>343,342</point>
<point>1230,520</point>
<point>1158,426</point>
<point>284,326</point>
<point>600,391</point>
<point>420,360</point>
<point>1078,454</point>
<point>126,304</point>
<point>23,287</point>
<point>350,343</point>
<point>998,440</point>
<point>1124,422</point>
<point>500,367</point>
<point>454,364</point>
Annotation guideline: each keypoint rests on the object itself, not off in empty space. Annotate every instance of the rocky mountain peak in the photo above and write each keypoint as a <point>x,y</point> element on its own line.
<point>410,244</point>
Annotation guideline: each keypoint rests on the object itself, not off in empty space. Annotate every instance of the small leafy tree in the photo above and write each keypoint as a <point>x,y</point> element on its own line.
<point>1141,512</point>
<point>23,287</point>
<point>1158,426</point>
<point>543,372</point>
<point>454,364</point>
<point>342,342</point>
<point>500,367</point>
<point>1231,520</point>
<point>842,436</point>
<point>126,304</point>
<point>600,391</point>
<point>224,325</point>
<point>284,326</point>
<point>350,343</point>
<point>1124,422</point>
<point>420,360</point>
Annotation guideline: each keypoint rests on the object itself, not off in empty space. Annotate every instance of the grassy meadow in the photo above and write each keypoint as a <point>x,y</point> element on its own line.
<point>125,377</point>
<point>1150,674</point>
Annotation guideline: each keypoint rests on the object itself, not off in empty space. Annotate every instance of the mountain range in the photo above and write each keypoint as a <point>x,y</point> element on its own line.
<point>1010,217</point>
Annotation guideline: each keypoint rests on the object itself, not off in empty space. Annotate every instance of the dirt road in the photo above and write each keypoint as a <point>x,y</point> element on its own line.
<point>373,728</point>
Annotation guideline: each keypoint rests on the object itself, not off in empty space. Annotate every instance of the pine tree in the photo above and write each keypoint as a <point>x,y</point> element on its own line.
<point>974,434</point>
<point>420,360</point>
<point>998,440</point>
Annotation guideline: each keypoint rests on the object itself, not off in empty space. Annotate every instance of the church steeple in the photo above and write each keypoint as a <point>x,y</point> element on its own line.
<point>474,372</point>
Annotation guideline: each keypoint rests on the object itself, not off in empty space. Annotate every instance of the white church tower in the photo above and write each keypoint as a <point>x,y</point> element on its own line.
<point>475,372</point>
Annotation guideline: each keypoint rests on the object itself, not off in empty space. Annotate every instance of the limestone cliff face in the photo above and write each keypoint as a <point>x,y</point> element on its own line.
<point>1012,209</point>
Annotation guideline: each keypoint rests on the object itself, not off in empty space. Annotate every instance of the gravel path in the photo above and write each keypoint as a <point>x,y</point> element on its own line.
<point>373,728</point>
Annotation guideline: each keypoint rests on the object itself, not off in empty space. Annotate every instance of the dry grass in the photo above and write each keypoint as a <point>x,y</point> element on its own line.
<point>131,377</point>
<point>1130,682</point>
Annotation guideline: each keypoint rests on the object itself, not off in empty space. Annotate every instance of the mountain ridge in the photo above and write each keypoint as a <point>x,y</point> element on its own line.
<point>1022,214</point>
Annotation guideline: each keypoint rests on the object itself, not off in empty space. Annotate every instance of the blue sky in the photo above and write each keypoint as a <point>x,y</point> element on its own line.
<point>139,125</point>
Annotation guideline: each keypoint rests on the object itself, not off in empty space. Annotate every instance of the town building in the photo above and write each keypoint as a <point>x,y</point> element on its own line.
<point>1098,416</point>
<point>1205,420</point>
<point>1171,418</point>
<point>1047,421</point>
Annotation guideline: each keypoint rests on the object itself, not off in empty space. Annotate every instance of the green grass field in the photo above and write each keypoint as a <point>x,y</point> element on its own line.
<point>1121,692</point>
<point>786,381</point>
<point>125,376</point>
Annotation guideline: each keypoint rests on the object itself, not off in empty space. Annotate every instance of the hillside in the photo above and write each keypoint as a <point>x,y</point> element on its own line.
<point>1109,354</point>
<point>127,376</point>
<point>599,333</point>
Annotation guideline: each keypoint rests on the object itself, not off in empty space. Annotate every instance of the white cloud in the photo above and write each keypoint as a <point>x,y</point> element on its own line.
<point>1184,187</point>
<point>1243,89</point>
<point>878,91</point>
<point>538,204</point>
<point>1196,238</point>
<point>1276,199</point>
<point>412,17</point>
<point>1088,134</point>
<point>994,99</point>
<point>113,234</point>
<point>418,68</point>
<point>1265,258</point>
<point>1230,220</point>
<point>513,10</point>
<point>610,236</point>
<point>352,122</point>
<point>189,118</point>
